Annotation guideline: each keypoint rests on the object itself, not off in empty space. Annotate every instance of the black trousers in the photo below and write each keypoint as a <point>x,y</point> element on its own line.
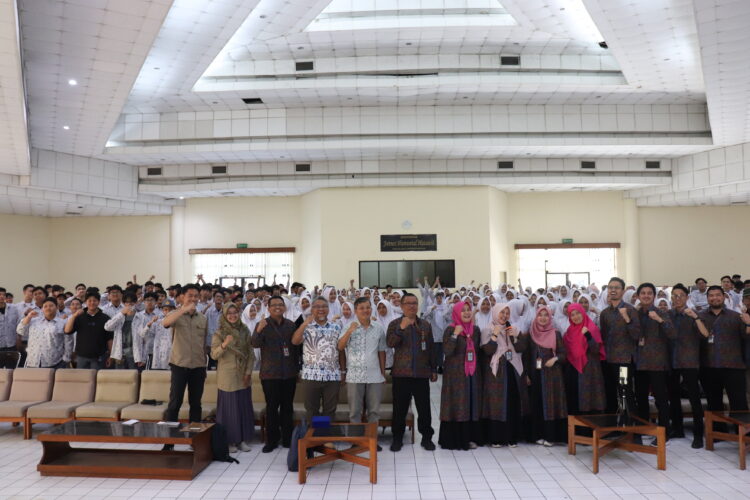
<point>193,379</point>
<point>717,380</point>
<point>279,409</point>
<point>404,388</point>
<point>687,377</point>
<point>611,373</point>
<point>657,382</point>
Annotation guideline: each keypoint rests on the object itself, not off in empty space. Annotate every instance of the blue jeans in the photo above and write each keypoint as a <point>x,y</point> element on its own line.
<point>88,363</point>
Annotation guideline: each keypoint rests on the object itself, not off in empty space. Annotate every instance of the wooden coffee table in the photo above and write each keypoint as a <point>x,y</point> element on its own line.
<point>363,438</point>
<point>739,418</point>
<point>604,425</point>
<point>60,459</point>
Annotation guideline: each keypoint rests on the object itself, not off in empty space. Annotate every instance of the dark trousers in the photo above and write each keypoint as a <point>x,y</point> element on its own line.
<point>611,372</point>
<point>193,379</point>
<point>404,388</point>
<point>657,382</point>
<point>317,391</point>
<point>279,395</point>
<point>717,380</point>
<point>439,355</point>
<point>689,378</point>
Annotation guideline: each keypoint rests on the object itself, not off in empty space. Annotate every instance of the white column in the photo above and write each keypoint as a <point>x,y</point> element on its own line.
<point>177,251</point>
<point>630,251</point>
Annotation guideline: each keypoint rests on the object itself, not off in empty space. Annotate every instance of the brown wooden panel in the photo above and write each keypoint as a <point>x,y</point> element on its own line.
<point>197,251</point>
<point>528,246</point>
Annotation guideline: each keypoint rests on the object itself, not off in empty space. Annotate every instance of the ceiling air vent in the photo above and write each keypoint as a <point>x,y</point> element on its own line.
<point>252,100</point>
<point>505,164</point>
<point>588,164</point>
<point>218,169</point>
<point>304,66</point>
<point>653,164</point>
<point>227,193</point>
<point>302,167</point>
<point>153,171</point>
<point>510,60</point>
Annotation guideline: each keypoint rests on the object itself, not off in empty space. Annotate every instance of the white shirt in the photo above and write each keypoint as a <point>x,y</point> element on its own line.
<point>8,324</point>
<point>46,341</point>
<point>111,310</point>
<point>699,299</point>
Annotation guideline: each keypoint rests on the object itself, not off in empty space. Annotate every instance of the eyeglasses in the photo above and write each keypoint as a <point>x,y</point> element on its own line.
<point>410,303</point>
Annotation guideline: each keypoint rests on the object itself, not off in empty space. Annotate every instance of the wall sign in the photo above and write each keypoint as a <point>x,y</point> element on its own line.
<point>408,242</point>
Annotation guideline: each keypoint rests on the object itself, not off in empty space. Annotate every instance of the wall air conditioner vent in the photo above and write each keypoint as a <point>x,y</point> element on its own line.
<point>252,100</point>
<point>218,169</point>
<point>653,164</point>
<point>588,164</point>
<point>302,167</point>
<point>304,66</point>
<point>153,171</point>
<point>504,164</point>
<point>510,60</point>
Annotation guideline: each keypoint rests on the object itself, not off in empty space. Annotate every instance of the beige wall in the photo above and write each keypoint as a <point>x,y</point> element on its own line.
<point>333,229</point>
<point>680,244</point>
<point>24,251</point>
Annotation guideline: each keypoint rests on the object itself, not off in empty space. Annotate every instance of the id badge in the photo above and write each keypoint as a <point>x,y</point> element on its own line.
<point>642,341</point>
<point>286,351</point>
<point>470,356</point>
<point>711,339</point>
<point>424,345</point>
<point>538,363</point>
<point>508,354</point>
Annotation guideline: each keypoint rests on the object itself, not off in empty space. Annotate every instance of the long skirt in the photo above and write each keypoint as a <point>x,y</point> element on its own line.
<point>511,431</point>
<point>235,412</point>
<point>554,431</point>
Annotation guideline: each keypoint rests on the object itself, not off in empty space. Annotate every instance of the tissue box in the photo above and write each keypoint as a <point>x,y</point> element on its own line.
<point>321,422</point>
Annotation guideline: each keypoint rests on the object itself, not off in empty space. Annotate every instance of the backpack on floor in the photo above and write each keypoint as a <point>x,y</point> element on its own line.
<point>292,459</point>
<point>220,445</point>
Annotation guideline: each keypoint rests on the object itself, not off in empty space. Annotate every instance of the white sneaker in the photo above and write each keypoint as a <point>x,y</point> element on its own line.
<point>232,448</point>
<point>540,441</point>
<point>472,445</point>
<point>496,445</point>
<point>547,444</point>
<point>513,445</point>
<point>244,446</point>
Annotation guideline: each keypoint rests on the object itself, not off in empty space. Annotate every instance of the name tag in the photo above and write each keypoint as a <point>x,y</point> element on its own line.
<point>538,363</point>
<point>711,339</point>
<point>508,354</point>
<point>642,341</point>
<point>470,356</point>
<point>285,349</point>
<point>424,345</point>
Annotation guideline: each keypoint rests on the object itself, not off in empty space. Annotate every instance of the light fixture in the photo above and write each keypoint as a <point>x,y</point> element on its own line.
<point>65,127</point>
<point>72,82</point>
<point>182,197</point>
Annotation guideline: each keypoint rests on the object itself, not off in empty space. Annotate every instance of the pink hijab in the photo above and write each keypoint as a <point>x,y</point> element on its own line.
<point>575,339</point>
<point>468,331</point>
<point>544,336</point>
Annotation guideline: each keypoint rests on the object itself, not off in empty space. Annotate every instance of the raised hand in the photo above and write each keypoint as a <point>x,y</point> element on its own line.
<point>655,316</point>
<point>227,340</point>
<point>624,314</point>
<point>406,322</point>
<point>691,314</point>
<point>458,330</point>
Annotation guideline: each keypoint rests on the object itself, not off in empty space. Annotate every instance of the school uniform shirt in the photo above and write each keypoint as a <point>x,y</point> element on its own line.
<point>142,334</point>
<point>363,355</point>
<point>320,354</point>
<point>22,307</point>
<point>685,349</point>
<point>699,299</point>
<point>111,310</point>
<point>8,324</point>
<point>728,331</point>
<point>619,337</point>
<point>46,341</point>
<point>162,346</point>
<point>212,316</point>
<point>124,342</point>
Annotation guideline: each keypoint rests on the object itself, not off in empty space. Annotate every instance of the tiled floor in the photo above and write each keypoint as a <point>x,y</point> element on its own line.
<point>528,471</point>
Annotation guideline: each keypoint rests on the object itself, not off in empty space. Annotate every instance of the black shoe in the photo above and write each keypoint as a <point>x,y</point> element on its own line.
<point>269,448</point>
<point>428,445</point>
<point>285,445</point>
<point>676,434</point>
<point>380,448</point>
<point>396,445</point>
<point>440,370</point>
<point>697,442</point>
<point>168,447</point>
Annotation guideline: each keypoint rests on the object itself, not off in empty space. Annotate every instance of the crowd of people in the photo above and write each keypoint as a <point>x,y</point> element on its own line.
<point>514,362</point>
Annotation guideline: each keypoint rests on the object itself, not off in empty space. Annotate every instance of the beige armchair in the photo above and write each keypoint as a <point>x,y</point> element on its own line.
<point>73,388</point>
<point>154,385</point>
<point>115,389</point>
<point>6,378</point>
<point>31,386</point>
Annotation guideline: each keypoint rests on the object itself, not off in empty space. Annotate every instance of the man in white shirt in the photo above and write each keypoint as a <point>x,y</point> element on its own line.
<point>698,295</point>
<point>46,337</point>
<point>114,301</point>
<point>126,345</point>
<point>728,285</point>
<point>8,322</point>
<point>27,302</point>
<point>213,313</point>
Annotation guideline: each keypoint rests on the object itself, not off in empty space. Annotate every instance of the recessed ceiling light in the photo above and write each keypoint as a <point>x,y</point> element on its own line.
<point>262,16</point>
<point>72,82</point>
<point>408,43</point>
<point>300,48</point>
<point>157,67</point>
<point>182,197</point>
<point>65,127</point>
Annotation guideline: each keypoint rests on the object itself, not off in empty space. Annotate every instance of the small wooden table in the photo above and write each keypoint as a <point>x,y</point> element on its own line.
<point>363,437</point>
<point>739,418</point>
<point>603,425</point>
<point>60,459</point>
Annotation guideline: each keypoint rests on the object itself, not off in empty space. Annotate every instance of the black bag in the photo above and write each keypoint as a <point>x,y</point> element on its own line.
<point>292,459</point>
<point>219,445</point>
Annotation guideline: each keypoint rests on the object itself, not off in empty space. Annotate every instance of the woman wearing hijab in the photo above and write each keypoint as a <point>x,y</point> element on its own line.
<point>504,392</point>
<point>544,360</point>
<point>483,313</point>
<point>461,392</point>
<point>230,346</point>
<point>584,350</point>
